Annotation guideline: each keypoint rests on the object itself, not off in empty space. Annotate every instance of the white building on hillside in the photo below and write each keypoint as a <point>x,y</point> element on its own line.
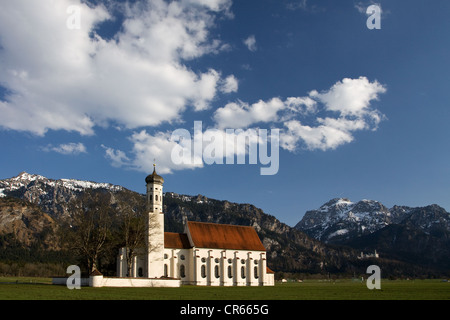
<point>205,254</point>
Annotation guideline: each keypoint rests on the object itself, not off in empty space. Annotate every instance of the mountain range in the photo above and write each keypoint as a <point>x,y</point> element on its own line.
<point>329,240</point>
<point>340,220</point>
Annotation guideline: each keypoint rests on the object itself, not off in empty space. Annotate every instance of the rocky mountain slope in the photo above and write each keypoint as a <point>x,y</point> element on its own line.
<point>52,196</point>
<point>415,235</point>
<point>34,207</point>
<point>25,223</point>
<point>340,219</point>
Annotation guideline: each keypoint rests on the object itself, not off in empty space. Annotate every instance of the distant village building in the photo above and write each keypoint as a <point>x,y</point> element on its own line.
<point>369,255</point>
<point>206,254</point>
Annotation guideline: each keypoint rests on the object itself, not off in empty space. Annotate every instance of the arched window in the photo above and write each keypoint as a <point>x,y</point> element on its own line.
<point>166,274</point>
<point>203,271</point>
<point>256,272</point>
<point>156,197</point>
<point>243,272</point>
<point>230,272</point>
<point>140,272</point>
<point>217,272</point>
<point>182,271</point>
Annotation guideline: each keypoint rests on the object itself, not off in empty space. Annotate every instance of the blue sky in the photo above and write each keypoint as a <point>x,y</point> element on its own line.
<point>94,90</point>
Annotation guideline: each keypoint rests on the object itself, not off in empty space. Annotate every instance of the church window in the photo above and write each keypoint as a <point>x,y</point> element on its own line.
<point>256,272</point>
<point>203,260</point>
<point>230,272</point>
<point>256,261</point>
<point>230,261</point>
<point>203,271</point>
<point>182,257</point>
<point>165,270</point>
<point>165,256</point>
<point>182,271</point>
<point>156,197</point>
<point>216,271</point>
<point>243,261</point>
<point>140,272</point>
<point>216,260</point>
<point>243,272</point>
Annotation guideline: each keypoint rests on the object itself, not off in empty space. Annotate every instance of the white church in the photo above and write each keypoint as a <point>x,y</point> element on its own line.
<point>206,254</point>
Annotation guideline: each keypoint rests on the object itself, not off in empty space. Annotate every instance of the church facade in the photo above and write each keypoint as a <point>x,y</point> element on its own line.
<point>207,254</point>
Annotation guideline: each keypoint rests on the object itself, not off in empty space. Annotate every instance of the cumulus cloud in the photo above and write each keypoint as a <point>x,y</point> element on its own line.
<point>57,78</point>
<point>347,104</point>
<point>250,42</point>
<point>60,78</point>
<point>235,134</point>
<point>230,84</point>
<point>350,97</point>
<point>67,149</point>
<point>183,149</point>
<point>118,158</point>
<point>241,115</point>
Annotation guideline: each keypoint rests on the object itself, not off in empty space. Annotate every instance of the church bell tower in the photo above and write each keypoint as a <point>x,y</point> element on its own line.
<point>155,225</point>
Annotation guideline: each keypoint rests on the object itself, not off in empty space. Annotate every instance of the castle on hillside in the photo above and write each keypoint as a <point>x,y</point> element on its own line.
<point>205,254</point>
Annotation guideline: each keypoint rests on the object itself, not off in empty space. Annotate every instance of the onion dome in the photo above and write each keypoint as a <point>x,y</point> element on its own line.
<point>154,177</point>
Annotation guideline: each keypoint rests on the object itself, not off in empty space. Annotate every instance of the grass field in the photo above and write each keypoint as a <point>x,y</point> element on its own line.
<point>42,289</point>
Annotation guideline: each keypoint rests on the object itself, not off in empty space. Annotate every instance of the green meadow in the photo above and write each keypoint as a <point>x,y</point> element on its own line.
<point>42,289</point>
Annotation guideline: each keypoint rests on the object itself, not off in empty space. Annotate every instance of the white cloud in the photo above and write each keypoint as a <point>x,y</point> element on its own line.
<point>350,101</point>
<point>118,158</point>
<point>192,150</point>
<point>67,149</point>
<point>241,115</point>
<point>250,42</point>
<point>230,84</point>
<point>158,146</point>
<point>321,137</point>
<point>74,80</point>
<point>347,104</point>
<point>350,97</point>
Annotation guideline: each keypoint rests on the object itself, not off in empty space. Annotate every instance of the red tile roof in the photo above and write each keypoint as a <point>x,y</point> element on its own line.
<point>176,240</point>
<point>224,236</point>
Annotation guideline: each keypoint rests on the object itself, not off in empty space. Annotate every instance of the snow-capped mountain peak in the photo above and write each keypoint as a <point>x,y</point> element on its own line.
<point>24,179</point>
<point>45,192</point>
<point>342,218</point>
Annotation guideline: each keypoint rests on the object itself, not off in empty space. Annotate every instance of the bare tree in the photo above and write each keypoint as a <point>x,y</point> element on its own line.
<point>136,226</point>
<point>90,227</point>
